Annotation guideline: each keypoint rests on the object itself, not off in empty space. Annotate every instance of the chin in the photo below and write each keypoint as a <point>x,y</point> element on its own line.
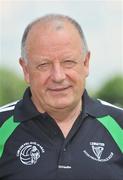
<point>62,104</point>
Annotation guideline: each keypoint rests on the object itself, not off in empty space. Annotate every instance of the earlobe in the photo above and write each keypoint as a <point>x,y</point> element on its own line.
<point>23,65</point>
<point>25,69</point>
<point>87,59</point>
<point>21,62</point>
<point>86,63</point>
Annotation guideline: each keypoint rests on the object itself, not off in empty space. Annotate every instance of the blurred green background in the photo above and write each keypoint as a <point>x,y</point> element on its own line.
<point>102,24</point>
<point>12,88</point>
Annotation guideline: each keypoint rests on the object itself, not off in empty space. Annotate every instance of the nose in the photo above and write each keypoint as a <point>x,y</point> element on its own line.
<point>58,74</point>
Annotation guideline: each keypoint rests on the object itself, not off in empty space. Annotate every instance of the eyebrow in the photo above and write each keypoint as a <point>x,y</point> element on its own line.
<point>43,58</point>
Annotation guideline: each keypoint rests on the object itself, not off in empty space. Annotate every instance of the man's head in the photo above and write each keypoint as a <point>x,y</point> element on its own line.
<point>57,19</point>
<point>55,61</point>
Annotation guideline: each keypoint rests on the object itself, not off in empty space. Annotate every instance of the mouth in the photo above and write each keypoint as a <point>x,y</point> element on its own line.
<point>59,89</point>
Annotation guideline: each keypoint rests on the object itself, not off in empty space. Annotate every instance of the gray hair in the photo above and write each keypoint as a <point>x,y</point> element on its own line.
<point>52,18</point>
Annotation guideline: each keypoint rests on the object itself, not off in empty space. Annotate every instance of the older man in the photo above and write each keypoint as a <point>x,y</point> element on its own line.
<point>57,131</point>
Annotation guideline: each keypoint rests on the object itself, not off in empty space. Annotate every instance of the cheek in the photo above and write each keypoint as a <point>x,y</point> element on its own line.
<point>38,80</point>
<point>77,75</point>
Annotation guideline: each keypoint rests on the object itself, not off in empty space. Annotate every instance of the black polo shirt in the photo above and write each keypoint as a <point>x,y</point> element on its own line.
<point>32,146</point>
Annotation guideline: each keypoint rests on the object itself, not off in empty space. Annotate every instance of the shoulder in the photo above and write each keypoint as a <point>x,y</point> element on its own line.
<point>112,110</point>
<point>110,107</point>
<point>8,107</point>
<point>6,111</point>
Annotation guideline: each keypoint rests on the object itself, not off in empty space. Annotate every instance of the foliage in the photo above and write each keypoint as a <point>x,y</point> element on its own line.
<point>112,91</point>
<point>11,86</point>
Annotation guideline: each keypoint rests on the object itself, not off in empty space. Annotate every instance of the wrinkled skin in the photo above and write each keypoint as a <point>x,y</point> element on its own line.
<point>56,68</point>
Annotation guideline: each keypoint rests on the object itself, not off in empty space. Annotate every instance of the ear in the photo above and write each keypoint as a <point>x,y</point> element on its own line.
<point>86,63</point>
<point>24,66</point>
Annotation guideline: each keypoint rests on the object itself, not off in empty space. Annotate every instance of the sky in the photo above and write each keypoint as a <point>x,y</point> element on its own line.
<point>101,21</point>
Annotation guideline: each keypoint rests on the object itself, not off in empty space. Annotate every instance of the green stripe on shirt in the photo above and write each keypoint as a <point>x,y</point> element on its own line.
<point>114,129</point>
<point>5,131</point>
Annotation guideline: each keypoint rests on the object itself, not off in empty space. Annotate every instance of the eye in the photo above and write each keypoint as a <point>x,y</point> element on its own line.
<point>69,63</point>
<point>44,66</point>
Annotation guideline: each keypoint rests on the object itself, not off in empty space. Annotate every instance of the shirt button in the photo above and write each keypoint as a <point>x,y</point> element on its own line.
<point>64,149</point>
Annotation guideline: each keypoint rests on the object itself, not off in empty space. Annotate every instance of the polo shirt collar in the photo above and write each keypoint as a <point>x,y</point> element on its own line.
<point>26,110</point>
<point>93,107</point>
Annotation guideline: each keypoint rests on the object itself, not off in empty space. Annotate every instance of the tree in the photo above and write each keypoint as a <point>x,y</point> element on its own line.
<point>112,91</point>
<point>11,86</point>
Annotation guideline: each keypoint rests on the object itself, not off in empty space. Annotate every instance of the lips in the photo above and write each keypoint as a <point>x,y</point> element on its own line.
<point>59,89</point>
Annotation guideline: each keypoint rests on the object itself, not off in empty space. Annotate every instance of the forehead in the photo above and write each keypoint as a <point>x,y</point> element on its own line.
<point>55,24</point>
<point>44,29</point>
<point>53,37</point>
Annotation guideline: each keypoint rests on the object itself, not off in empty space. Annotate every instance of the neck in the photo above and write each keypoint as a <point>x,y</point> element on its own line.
<point>66,119</point>
<point>61,115</point>
<point>58,114</point>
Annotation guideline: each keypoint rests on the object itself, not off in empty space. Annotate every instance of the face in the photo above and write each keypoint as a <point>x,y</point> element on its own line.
<point>56,67</point>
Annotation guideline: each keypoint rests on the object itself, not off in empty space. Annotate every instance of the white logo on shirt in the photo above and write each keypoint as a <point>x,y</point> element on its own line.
<point>97,149</point>
<point>29,153</point>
